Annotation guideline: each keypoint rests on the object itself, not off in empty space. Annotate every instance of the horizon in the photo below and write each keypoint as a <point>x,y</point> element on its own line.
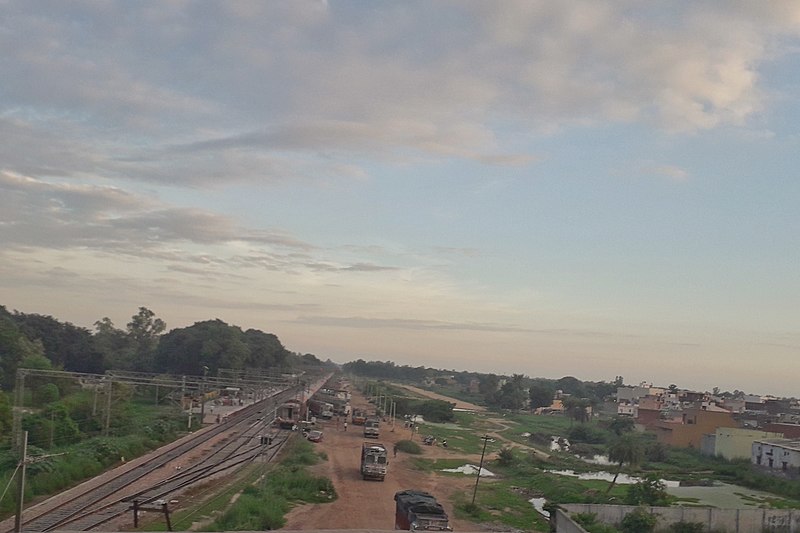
<point>519,187</point>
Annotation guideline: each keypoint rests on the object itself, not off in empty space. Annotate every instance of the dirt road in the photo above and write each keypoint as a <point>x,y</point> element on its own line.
<point>370,504</point>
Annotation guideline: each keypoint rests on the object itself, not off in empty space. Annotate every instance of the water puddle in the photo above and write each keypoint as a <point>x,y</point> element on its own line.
<point>469,470</point>
<point>622,479</point>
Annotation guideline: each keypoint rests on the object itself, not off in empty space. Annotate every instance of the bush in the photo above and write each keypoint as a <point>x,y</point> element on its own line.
<point>649,491</point>
<point>408,446</point>
<point>687,527</point>
<point>590,523</point>
<point>638,521</point>
<point>506,456</point>
<point>586,433</point>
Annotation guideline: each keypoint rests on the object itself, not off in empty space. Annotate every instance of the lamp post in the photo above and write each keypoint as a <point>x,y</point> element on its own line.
<point>485,439</point>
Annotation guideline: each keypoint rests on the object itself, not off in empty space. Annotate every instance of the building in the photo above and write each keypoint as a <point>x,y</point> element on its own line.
<point>688,431</point>
<point>736,443</point>
<point>777,454</point>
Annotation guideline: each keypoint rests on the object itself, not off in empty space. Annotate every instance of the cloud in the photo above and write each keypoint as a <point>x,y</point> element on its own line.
<point>37,213</point>
<point>288,91</point>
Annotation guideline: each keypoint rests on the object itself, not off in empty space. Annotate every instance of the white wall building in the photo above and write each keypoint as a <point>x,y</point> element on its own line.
<point>777,454</point>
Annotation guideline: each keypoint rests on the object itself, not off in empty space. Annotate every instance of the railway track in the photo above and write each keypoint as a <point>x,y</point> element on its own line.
<point>112,494</point>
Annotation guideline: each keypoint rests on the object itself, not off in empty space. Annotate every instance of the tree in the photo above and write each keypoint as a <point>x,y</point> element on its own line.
<point>577,408</point>
<point>116,345</point>
<point>541,395</point>
<point>648,491</point>
<point>69,347</point>
<point>488,386</point>
<point>621,424</point>
<point>144,330</point>
<point>512,394</point>
<point>626,449</point>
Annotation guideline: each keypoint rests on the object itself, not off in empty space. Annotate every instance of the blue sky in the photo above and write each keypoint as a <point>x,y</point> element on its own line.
<point>581,188</point>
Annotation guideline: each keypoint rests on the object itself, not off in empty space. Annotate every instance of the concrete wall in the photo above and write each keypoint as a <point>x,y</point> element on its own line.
<point>730,520</point>
<point>737,443</point>
<point>565,524</point>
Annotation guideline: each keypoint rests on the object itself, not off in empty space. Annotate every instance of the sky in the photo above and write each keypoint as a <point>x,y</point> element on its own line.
<point>585,188</point>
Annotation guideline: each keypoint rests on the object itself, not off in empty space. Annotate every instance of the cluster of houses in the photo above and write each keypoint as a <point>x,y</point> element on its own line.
<point>765,430</point>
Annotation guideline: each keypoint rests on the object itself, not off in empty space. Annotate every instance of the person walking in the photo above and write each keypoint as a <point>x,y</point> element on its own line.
<point>345,426</point>
<point>394,449</point>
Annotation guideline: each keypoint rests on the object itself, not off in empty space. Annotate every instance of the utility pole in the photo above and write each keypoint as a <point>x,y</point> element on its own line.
<point>485,439</point>
<point>107,428</point>
<point>21,485</point>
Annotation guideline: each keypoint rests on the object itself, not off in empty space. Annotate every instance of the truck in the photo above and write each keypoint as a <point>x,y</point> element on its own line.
<point>372,428</point>
<point>416,510</point>
<point>320,409</point>
<point>359,417</point>
<point>374,461</point>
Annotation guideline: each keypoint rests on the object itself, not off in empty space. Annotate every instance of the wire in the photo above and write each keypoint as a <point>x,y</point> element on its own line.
<point>9,482</point>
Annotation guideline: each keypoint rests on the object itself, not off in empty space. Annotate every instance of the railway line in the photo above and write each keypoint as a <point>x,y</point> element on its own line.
<point>112,495</point>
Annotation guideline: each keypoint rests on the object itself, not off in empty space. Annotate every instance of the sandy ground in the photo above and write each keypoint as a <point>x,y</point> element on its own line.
<point>370,504</point>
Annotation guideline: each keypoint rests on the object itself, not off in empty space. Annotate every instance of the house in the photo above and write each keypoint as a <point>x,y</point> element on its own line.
<point>688,431</point>
<point>736,443</point>
<point>777,454</point>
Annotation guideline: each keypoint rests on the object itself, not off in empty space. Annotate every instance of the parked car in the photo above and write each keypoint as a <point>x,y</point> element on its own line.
<point>315,436</point>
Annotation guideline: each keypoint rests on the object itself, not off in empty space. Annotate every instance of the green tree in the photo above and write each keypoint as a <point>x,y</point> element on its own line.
<point>577,408</point>
<point>488,386</point>
<point>68,347</point>
<point>144,330</point>
<point>512,394</point>
<point>541,395</point>
<point>5,415</point>
<point>116,345</point>
<point>625,449</point>
<point>648,491</point>
<point>621,424</point>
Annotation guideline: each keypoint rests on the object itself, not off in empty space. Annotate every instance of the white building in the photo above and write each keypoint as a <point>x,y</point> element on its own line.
<point>777,454</point>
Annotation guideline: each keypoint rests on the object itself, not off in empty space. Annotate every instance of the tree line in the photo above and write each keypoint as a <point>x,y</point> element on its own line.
<point>144,345</point>
<point>497,391</point>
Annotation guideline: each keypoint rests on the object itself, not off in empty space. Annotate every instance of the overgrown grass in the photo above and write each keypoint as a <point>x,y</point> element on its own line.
<point>74,463</point>
<point>458,439</point>
<point>263,506</point>
<point>497,501</point>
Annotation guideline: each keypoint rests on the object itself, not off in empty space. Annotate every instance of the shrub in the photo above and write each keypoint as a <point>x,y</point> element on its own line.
<point>408,446</point>
<point>506,456</point>
<point>649,491</point>
<point>638,521</point>
<point>687,527</point>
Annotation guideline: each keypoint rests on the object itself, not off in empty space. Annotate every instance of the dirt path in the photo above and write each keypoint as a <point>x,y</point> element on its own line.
<point>370,504</point>
<point>460,404</point>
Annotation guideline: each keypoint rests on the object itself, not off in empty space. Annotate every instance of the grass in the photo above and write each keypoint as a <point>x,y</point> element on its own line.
<point>499,502</point>
<point>263,495</point>
<point>263,506</point>
<point>458,439</point>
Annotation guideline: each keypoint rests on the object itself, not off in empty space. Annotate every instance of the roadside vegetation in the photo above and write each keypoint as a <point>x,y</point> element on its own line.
<point>74,445</point>
<point>263,505</point>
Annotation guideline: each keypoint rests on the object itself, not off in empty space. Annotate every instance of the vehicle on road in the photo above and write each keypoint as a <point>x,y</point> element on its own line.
<point>416,510</point>
<point>359,416</point>
<point>315,435</point>
<point>372,428</point>
<point>374,461</point>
